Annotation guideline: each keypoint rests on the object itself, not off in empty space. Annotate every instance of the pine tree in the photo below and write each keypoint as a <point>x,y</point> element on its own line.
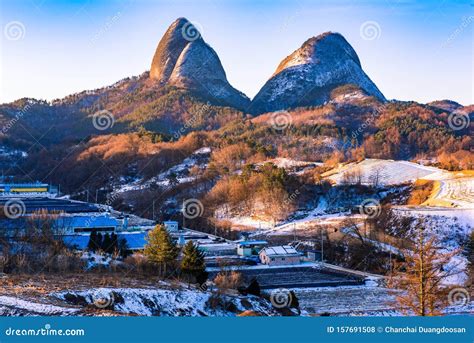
<point>107,243</point>
<point>294,300</point>
<point>99,241</point>
<point>113,243</point>
<point>253,288</point>
<point>123,247</point>
<point>193,264</point>
<point>160,248</point>
<point>92,244</point>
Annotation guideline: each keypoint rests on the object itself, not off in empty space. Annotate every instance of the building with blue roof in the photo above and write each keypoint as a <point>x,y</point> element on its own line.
<point>87,223</point>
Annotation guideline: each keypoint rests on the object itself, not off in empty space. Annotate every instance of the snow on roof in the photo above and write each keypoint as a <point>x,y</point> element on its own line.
<point>284,250</point>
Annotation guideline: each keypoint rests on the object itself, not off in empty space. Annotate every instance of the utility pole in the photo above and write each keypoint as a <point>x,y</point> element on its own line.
<point>390,257</point>
<point>322,246</point>
<point>96,195</point>
<point>153,209</point>
<point>389,250</point>
<point>87,195</point>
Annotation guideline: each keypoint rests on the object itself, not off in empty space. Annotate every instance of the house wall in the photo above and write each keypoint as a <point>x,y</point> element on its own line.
<point>244,251</point>
<point>279,260</point>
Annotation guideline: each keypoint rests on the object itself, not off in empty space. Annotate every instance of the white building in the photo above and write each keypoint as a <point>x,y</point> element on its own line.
<point>280,256</point>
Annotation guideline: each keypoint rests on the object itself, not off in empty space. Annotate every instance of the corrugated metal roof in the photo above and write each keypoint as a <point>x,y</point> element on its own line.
<point>53,204</point>
<point>87,221</point>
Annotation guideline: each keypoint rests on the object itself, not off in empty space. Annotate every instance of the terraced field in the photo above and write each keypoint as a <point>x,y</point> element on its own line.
<point>291,277</point>
<point>458,192</point>
<point>350,300</point>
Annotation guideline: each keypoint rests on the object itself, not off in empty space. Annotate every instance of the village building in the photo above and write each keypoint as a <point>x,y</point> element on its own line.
<point>27,188</point>
<point>280,256</point>
<point>250,248</point>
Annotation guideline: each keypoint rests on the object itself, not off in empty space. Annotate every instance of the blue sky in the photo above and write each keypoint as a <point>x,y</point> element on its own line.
<point>421,50</point>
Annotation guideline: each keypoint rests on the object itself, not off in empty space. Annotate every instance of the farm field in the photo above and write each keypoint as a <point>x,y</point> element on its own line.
<point>388,172</point>
<point>303,276</point>
<point>455,192</point>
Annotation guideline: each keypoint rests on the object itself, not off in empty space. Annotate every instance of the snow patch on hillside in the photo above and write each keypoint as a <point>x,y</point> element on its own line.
<point>452,227</point>
<point>389,172</point>
<point>15,306</point>
<point>180,172</point>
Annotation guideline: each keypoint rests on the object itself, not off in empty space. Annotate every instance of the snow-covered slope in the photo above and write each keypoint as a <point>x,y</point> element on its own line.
<point>452,227</point>
<point>388,172</point>
<point>13,306</point>
<point>180,172</point>
<point>166,302</point>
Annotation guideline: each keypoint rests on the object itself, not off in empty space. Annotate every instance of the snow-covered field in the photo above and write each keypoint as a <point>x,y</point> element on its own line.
<point>387,172</point>
<point>452,189</point>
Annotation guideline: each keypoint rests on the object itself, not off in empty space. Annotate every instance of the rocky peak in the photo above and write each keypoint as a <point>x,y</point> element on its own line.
<point>169,49</point>
<point>309,75</point>
<point>183,59</point>
<point>320,49</point>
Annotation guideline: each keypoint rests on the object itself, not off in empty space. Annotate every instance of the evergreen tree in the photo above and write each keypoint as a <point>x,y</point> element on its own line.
<point>113,243</point>
<point>294,301</point>
<point>160,248</point>
<point>253,288</point>
<point>99,241</point>
<point>107,243</point>
<point>193,264</point>
<point>92,244</point>
<point>123,247</point>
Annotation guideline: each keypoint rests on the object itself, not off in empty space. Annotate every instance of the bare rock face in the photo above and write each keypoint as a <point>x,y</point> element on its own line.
<point>183,59</point>
<point>309,75</point>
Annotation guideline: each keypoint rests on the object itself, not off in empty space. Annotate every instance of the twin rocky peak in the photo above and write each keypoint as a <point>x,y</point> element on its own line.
<point>306,77</point>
